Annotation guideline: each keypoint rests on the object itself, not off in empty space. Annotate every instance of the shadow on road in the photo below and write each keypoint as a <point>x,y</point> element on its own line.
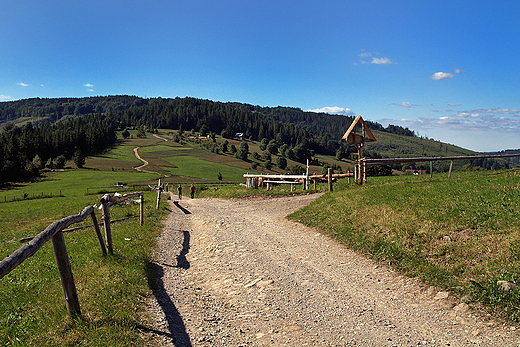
<point>176,203</point>
<point>177,330</point>
<point>182,262</point>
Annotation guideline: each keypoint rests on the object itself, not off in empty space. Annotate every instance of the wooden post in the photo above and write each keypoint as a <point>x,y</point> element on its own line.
<point>106,223</point>
<point>451,168</point>
<point>314,183</point>
<point>329,177</point>
<point>349,175</point>
<point>307,176</point>
<point>159,192</point>
<point>98,233</point>
<point>431,169</point>
<point>66,278</point>
<point>141,212</point>
<point>364,171</point>
<point>360,164</point>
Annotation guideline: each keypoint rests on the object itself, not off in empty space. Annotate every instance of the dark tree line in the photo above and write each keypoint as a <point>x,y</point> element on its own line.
<point>317,123</point>
<point>41,110</point>
<point>25,150</point>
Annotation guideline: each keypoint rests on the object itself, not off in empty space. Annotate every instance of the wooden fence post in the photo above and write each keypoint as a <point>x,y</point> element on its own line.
<point>106,223</point>
<point>329,178</point>
<point>66,278</point>
<point>141,211</point>
<point>159,192</point>
<point>98,233</point>
<point>451,168</point>
<point>431,169</point>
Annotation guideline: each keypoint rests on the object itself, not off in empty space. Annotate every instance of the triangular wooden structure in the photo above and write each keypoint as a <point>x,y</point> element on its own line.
<point>359,141</point>
<point>355,139</point>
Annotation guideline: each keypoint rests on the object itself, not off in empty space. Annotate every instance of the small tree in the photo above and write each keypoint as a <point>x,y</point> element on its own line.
<point>60,162</point>
<point>219,176</point>
<point>225,146</point>
<point>49,164</point>
<point>204,130</point>
<point>281,162</point>
<point>37,162</point>
<point>263,144</point>
<point>141,132</point>
<point>125,134</point>
<point>225,134</point>
<point>268,165</point>
<point>272,147</point>
<point>79,159</point>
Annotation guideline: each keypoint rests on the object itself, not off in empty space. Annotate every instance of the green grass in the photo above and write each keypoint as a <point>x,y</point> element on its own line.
<point>111,289</point>
<point>462,234</point>
<point>196,167</point>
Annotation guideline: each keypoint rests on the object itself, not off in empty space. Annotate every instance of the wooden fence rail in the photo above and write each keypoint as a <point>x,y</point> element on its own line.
<point>54,233</point>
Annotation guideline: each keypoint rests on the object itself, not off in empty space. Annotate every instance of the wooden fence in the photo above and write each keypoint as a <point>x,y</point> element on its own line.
<point>254,180</point>
<point>54,233</point>
<point>390,161</point>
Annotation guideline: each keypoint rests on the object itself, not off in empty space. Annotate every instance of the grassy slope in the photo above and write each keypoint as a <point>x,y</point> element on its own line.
<point>397,146</point>
<point>461,234</point>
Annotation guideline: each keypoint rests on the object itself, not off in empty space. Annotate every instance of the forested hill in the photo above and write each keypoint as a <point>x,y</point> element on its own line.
<point>38,110</point>
<point>318,123</point>
<point>509,151</point>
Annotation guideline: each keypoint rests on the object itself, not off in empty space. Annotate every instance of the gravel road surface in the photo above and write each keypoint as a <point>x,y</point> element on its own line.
<point>238,273</point>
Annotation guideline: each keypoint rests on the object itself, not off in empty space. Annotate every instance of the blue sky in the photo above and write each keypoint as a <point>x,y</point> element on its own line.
<point>447,69</point>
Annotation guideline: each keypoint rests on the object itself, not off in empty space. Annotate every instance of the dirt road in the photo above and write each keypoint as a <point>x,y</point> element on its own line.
<point>237,273</point>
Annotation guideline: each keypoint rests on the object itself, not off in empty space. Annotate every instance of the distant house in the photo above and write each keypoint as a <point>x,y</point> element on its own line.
<point>239,136</point>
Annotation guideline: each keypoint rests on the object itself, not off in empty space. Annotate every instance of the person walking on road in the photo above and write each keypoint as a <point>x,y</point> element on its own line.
<point>192,191</point>
<point>179,189</point>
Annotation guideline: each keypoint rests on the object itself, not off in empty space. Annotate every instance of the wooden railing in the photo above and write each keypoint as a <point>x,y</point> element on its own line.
<point>54,233</point>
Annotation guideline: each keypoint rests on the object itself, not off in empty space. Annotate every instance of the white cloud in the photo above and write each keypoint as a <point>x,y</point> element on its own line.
<point>497,111</point>
<point>457,71</point>
<point>5,97</point>
<point>381,61</point>
<point>88,85</point>
<point>333,110</point>
<point>375,60</point>
<point>454,105</point>
<point>23,84</point>
<point>441,76</point>
<point>404,104</point>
